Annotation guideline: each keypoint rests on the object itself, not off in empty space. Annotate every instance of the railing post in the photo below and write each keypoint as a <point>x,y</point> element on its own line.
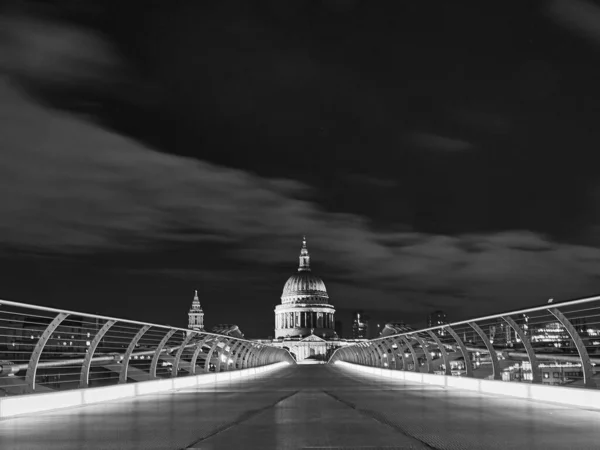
<point>490,347</point>
<point>400,349</point>
<point>463,350</point>
<point>225,354</point>
<point>389,351</point>
<point>235,347</point>
<point>374,354</point>
<point>180,351</point>
<point>416,367</point>
<point>158,351</point>
<point>447,370</point>
<point>132,344</point>
<point>368,351</point>
<point>37,351</point>
<point>535,373</point>
<point>245,356</point>
<point>87,360</point>
<point>429,362</point>
<point>210,353</point>
<point>197,351</point>
<point>586,364</point>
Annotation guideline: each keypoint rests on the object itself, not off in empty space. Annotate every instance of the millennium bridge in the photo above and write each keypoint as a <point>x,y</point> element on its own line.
<point>520,380</point>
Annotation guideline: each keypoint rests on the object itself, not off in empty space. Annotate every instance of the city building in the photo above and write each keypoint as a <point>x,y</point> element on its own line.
<point>360,325</point>
<point>305,309</point>
<point>196,315</point>
<point>435,319</point>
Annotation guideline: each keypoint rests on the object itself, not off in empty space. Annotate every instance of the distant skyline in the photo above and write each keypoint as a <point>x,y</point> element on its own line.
<point>436,156</point>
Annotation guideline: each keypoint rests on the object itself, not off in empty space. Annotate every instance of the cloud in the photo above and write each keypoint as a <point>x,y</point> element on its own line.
<point>433,141</point>
<point>580,16</point>
<point>55,53</point>
<point>70,188</point>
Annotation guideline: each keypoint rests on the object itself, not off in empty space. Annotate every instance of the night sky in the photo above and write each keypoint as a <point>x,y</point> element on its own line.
<point>436,154</point>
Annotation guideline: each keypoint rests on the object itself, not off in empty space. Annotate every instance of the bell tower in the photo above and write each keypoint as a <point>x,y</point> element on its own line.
<point>196,315</point>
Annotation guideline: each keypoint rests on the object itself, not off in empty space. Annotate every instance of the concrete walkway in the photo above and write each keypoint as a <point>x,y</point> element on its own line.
<point>309,406</point>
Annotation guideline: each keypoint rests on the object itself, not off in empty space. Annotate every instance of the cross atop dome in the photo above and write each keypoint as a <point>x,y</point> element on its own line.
<point>304,257</point>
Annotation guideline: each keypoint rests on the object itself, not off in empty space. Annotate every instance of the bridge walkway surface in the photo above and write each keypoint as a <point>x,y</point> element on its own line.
<point>309,406</point>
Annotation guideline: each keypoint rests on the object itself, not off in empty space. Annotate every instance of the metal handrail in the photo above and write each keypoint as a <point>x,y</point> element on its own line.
<point>63,344</point>
<point>499,316</point>
<point>97,316</point>
<point>557,327</point>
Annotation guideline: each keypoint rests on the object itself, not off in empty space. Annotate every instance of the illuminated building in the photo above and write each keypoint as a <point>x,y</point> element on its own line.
<point>435,319</point>
<point>360,325</point>
<point>305,307</point>
<point>196,315</point>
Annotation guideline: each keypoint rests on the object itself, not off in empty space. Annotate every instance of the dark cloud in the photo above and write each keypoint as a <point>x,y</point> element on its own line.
<point>432,141</point>
<point>263,135</point>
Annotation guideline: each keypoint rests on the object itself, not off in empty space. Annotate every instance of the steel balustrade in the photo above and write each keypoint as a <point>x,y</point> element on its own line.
<point>47,349</point>
<point>557,344</point>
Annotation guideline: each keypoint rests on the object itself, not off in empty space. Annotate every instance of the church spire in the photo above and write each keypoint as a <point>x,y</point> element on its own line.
<point>304,257</point>
<point>196,303</point>
<point>196,315</point>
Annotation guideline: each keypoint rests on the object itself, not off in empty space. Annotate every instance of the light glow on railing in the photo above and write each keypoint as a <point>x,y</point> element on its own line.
<point>27,404</point>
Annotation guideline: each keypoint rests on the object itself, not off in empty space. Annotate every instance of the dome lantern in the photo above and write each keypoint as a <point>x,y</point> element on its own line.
<point>304,257</point>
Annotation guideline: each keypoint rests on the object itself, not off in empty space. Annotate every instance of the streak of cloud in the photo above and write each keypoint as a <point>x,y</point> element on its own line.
<point>433,141</point>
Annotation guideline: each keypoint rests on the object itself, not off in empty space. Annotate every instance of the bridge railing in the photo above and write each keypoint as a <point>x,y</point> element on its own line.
<point>553,344</point>
<point>47,349</point>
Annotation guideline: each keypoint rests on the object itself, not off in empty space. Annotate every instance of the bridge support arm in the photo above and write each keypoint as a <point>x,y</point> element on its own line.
<point>429,363</point>
<point>158,351</point>
<point>125,361</point>
<point>185,342</point>
<point>38,349</point>
<point>447,370</point>
<point>586,364</point>
<point>535,373</point>
<point>490,347</point>
<point>416,367</point>
<point>463,350</point>
<point>87,361</point>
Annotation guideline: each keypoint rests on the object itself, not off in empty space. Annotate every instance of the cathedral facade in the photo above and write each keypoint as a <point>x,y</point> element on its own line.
<point>305,309</point>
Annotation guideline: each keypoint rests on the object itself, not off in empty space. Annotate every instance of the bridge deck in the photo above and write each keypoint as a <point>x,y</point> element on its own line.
<point>308,407</point>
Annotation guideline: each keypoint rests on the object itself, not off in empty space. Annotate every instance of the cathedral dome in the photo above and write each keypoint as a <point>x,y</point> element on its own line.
<point>304,283</point>
<point>303,286</point>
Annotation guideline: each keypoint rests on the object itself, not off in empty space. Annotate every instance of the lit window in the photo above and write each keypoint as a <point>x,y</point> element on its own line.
<point>546,375</point>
